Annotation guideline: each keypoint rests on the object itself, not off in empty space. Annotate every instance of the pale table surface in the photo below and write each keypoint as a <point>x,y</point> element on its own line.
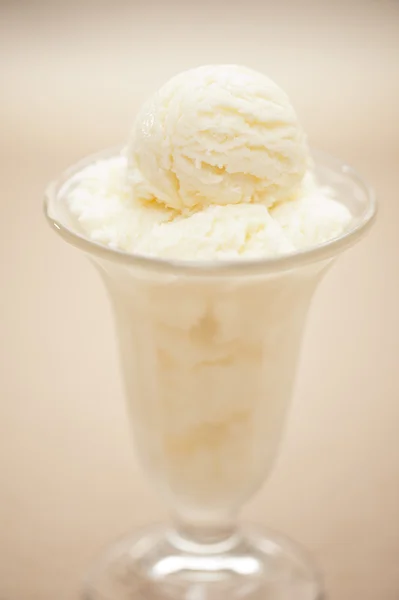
<point>73,75</point>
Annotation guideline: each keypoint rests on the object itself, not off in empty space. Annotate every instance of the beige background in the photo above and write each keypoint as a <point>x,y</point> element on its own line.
<point>72,76</point>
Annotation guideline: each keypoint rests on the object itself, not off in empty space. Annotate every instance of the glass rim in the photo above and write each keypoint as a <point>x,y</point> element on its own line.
<point>282,262</point>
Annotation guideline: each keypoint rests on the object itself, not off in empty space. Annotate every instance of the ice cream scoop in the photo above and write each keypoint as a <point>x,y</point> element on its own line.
<point>220,134</point>
<point>217,167</point>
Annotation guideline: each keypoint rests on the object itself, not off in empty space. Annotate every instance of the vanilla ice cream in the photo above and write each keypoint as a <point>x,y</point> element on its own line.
<point>209,365</point>
<point>217,135</point>
<point>217,168</point>
<point>99,197</point>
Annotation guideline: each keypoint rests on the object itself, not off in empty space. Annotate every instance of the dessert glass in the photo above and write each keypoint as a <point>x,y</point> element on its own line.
<point>209,353</point>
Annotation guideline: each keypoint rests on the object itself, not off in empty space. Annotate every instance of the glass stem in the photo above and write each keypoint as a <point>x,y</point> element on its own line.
<point>204,537</point>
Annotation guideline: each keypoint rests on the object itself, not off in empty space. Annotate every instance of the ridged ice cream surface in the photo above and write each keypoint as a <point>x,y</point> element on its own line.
<point>217,166</point>
<point>217,135</point>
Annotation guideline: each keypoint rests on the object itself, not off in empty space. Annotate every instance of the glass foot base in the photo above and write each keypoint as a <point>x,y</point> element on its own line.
<point>158,564</point>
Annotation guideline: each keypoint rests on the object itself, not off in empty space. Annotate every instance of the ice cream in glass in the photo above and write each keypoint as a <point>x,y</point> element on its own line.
<point>211,228</point>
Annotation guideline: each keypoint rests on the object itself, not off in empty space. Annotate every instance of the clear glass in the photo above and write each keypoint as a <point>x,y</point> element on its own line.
<point>209,353</point>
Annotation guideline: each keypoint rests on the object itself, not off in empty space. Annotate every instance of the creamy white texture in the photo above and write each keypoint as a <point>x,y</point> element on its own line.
<point>219,134</point>
<point>99,197</point>
<point>209,365</point>
<point>217,167</point>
